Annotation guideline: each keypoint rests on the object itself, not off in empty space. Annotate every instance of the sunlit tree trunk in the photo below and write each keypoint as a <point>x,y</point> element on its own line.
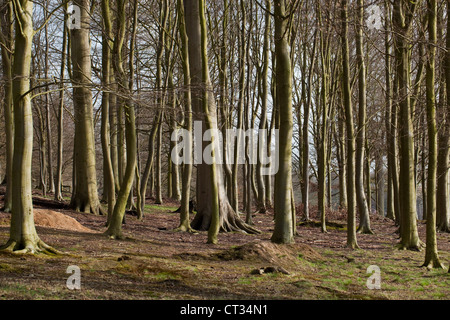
<point>108,171</point>
<point>284,230</point>
<point>402,20</point>
<point>207,206</point>
<point>351,205</point>
<point>363,208</point>
<point>263,118</point>
<point>23,235</point>
<point>50,178</point>
<point>59,154</point>
<point>187,170</point>
<point>115,223</point>
<point>7,31</point>
<point>240,107</point>
<point>431,252</point>
<point>390,138</point>
<point>85,194</point>
<point>443,191</point>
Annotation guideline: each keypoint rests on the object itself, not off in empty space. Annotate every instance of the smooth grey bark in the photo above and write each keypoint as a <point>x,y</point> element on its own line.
<point>85,194</point>
<point>402,20</point>
<point>7,34</point>
<point>351,206</point>
<point>23,237</point>
<point>284,230</point>
<point>362,203</point>
<point>229,220</point>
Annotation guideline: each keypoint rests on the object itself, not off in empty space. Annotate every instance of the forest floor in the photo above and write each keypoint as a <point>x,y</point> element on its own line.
<point>154,262</point>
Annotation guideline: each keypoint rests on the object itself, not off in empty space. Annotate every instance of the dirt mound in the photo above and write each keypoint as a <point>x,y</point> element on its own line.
<point>57,220</point>
<point>285,255</point>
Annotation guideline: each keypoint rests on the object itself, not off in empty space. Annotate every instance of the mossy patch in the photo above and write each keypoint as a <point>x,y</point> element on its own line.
<point>317,224</point>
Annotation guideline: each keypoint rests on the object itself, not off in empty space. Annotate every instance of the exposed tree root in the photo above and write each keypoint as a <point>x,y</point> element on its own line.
<point>29,247</point>
<point>184,228</point>
<point>364,230</point>
<point>412,247</point>
<point>353,246</point>
<point>229,221</point>
<point>433,263</point>
<point>114,235</point>
<point>87,207</point>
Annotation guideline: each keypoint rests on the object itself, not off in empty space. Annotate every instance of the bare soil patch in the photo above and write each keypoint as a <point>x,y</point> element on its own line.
<point>57,220</point>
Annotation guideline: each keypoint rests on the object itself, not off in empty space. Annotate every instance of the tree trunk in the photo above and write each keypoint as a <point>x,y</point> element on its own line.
<point>108,170</point>
<point>240,108</point>
<point>284,216</point>
<point>59,157</point>
<point>85,195</point>
<point>431,252</point>
<point>343,200</point>
<point>50,178</point>
<point>187,171</point>
<point>23,236</point>
<point>323,129</point>
<point>263,118</point>
<point>115,225</point>
<point>229,220</point>
<point>157,167</point>
<point>7,30</point>
<point>362,203</point>
<point>407,193</point>
<point>380,175</point>
<point>390,139</point>
<point>443,191</point>
<point>351,205</point>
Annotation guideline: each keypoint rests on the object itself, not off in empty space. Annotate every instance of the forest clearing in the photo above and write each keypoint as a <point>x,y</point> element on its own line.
<point>155,262</point>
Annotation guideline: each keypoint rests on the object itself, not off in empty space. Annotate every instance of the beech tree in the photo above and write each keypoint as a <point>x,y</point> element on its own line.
<point>349,127</point>
<point>403,12</point>
<point>363,208</point>
<point>23,237</point>
<point>84,193</point>
<point>115,223</point>
<point>214,211</point>
<point>431,253</point>
<point>6,36</point>
<point>284,212</point>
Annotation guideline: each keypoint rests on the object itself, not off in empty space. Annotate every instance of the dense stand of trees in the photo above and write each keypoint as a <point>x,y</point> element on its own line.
<point>357,92</point>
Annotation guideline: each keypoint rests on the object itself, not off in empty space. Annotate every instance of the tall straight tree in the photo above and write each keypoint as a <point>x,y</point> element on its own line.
<point>115,223</point>
<point>443,191</point>
<point>391,139</point>
<point>322,141</point>
<point>346,91</point>
<point>23,237</point>
<point>431,253</point>
<point>202,97</point>
<point>264,101</point>
<point>364,219</point>
<point>403,13</point>
<point>187,170</point>
<point>284,230</point>
<point>6,36</point>
<point>59,153</point>
<point>306,112</point>
<point>84,194</point>
<point>51,182</point>
<point>243,45</point>
<point>150,166</point>
<point>108,170</point>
